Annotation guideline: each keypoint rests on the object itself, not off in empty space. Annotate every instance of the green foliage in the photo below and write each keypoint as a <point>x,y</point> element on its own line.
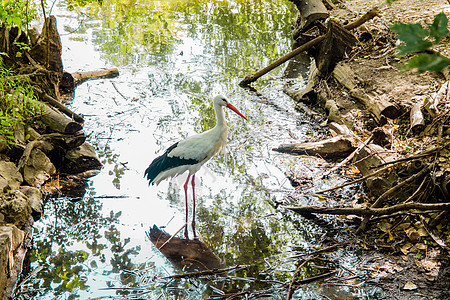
<point>16,106</point>
<point>17,12</point>
<point>417,39</point>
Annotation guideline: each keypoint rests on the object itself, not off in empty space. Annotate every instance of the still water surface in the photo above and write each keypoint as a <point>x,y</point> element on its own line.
<point>173,58</point>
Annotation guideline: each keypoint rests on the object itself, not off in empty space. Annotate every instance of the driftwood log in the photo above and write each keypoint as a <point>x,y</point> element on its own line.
<point>338,146</point>
<point>56,121</point>
<point>71,80</point>
<point>80,77</point>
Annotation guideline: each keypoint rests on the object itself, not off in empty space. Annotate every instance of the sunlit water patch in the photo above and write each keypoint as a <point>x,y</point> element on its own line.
<point>174,57</point>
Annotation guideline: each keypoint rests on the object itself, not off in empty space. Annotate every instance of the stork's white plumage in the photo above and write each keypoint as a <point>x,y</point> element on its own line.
<point>191,153</point>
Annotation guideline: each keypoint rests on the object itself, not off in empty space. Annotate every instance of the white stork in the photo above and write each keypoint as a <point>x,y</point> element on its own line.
<point>191,153</point>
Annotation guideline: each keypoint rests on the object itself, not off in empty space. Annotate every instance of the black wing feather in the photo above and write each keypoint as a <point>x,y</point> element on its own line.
<point>164,162</point>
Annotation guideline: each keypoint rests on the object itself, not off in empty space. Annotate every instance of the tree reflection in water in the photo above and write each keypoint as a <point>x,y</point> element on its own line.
<point>76,225</point>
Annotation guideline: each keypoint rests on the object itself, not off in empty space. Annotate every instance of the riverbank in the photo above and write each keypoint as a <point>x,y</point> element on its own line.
<point>386,131</point>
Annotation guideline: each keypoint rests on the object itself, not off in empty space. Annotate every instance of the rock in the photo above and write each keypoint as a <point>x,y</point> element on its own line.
<point>15,208</point>
<point>38,168</point>
<point>11,238</point>
<point>35,199</point>
<point>10,177</point>
<point>80,159</point>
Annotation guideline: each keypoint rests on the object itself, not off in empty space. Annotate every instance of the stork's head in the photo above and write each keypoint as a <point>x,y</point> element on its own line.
<point>223,101</point>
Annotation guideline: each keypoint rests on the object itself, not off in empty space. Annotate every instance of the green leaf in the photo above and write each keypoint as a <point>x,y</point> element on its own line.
<point>16,20</point>
<point>438,30</point>
<point>428,62</point>
<point>413,35</point>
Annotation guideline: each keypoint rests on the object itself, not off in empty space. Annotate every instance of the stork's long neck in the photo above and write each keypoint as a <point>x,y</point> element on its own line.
<point>221,122</point>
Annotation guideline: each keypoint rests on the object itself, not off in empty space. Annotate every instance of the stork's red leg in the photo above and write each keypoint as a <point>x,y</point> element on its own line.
<point>193,205</point>
<point>187,210</point>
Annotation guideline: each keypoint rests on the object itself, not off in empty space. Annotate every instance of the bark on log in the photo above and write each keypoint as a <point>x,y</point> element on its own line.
<point>310,11</point>
<point>345,76</point>
<point>57,121</point>
<point>338,146</point>
<point>416,119</point>
<point>338,41</point>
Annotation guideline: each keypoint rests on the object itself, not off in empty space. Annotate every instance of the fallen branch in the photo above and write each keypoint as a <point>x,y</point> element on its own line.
<point>253,77</point>
<point>338,146</point>
<point>380,201</point>
<point>80,77</point>
<point>55,103</point>
<point>417,121</point>
<point>368,211</point>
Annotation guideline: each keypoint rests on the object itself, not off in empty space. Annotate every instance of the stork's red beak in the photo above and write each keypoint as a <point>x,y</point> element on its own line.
<point>230,106</point>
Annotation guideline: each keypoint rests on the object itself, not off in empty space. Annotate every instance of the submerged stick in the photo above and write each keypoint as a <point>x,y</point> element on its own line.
<point>169,239</point>
<point>291,288</point>
<point>253,77</point>
<point>207,272</point>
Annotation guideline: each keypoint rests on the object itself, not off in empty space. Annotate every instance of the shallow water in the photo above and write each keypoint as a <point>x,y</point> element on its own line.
<point>173,58</point>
